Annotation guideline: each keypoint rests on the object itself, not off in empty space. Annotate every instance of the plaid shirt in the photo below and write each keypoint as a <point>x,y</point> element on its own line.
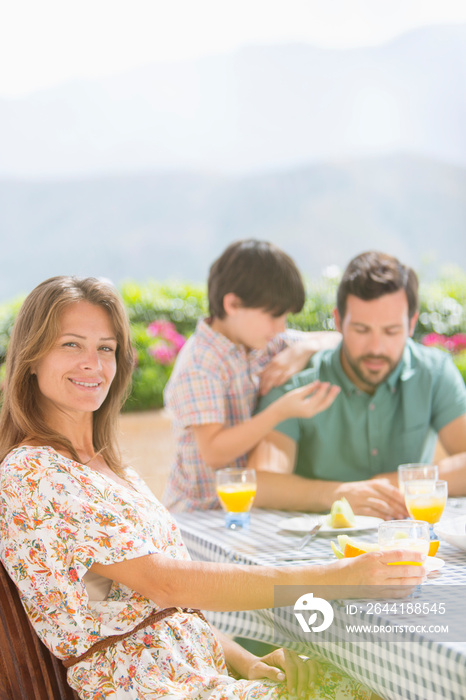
<point>214,381</point>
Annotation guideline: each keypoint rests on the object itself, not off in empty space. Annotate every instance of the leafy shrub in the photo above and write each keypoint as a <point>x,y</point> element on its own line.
<point>156,345</point>
<point>182,304</point>
<point>454,344</point>
<point>162,316</point>
<point>460,362</point>
<point>317,313</point>
<point>442,307</point>
<point>8,313</point>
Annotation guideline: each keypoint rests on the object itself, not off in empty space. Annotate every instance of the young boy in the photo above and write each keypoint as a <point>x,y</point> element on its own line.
<point>214,386</point>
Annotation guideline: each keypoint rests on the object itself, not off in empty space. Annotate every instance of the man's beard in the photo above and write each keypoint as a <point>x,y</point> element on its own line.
<point>371,379</point>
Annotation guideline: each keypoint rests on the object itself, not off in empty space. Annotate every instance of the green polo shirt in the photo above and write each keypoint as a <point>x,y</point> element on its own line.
<point>361,435</point>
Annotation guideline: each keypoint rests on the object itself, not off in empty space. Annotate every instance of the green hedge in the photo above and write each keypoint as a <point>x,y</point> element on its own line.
<point>180,305</point>
<point>163,315</point>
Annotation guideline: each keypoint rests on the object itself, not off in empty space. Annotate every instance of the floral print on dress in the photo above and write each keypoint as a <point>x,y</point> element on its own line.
<point>58,517</point>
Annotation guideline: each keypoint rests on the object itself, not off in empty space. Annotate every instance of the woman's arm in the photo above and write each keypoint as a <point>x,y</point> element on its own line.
<point>211,586</point>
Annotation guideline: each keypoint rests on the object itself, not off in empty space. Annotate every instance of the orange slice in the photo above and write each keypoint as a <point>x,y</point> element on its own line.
<point>433,548</point>
<point>362,547</point>
<point>352,551</point>
<point>349,547</point>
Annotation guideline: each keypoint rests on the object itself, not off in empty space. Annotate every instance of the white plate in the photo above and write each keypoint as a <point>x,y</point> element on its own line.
<point>453,531</point>
<point>304,523</point>
<point>434,564</point>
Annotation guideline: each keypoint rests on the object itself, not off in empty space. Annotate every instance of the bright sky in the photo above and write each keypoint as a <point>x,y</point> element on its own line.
<point>47,42</point>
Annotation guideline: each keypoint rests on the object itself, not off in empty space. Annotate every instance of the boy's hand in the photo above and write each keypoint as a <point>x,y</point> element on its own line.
<point>306,401</point>
<point>282,367</point>
<point>295,358</point>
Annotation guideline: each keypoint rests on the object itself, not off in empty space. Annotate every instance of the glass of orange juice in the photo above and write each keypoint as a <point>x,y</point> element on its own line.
<point>412,535</point>
<point>426,500</point>
<point>236,489</point>
<point>416,472</point>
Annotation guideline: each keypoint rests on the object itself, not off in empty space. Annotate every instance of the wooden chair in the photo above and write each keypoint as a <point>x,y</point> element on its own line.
<point>28,671</point>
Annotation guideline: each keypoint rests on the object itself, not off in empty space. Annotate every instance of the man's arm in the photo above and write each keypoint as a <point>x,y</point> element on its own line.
<point>453,467</point>
<point>277,487</point>
<point>276,453</point>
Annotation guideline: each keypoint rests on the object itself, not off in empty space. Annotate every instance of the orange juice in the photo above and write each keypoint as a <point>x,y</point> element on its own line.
<point>411,546</point>
<point>426,508</point>
<point>237,498</point>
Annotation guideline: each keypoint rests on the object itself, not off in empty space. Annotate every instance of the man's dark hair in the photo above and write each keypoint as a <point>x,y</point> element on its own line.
<point>372,275</point>
<point>260,274</point>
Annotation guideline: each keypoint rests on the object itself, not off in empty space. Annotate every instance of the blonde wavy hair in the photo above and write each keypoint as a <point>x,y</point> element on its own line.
<point>35,331</point>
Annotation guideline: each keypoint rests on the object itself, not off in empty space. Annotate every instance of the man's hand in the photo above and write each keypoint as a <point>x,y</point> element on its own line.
<point>376,497</point>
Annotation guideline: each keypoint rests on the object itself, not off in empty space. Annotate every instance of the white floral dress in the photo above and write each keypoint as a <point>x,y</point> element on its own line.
<point>58,517</point>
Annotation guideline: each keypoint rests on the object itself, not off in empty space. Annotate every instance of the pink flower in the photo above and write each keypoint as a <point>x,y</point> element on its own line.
<point>454,344</point>
<point>458,342</point>
<point>168,341</point>
<point>434,339</point>
<point>160,328</point>
<point>163,354</point>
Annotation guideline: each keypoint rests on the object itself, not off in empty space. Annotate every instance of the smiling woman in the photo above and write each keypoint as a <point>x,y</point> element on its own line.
<point>69,331</point>
<point>75,376</point>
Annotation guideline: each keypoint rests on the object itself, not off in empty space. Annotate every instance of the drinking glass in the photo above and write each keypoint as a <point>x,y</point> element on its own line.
<point>236,489</point>
<point>426,500</point>
<point>412,535</point>
<point>408,472</point>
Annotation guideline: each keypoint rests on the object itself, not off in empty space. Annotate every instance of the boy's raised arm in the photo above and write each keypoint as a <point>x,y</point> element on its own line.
<point>295,358</point>
<point>220,445</point>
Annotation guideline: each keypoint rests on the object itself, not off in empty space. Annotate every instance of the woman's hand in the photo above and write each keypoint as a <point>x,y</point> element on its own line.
<point>376,575</point>
<point>283,666</point>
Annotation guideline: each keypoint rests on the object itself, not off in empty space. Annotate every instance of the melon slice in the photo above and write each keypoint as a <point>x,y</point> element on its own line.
<point>341,514</point>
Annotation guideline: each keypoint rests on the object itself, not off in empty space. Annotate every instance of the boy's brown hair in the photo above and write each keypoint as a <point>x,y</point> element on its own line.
<point>373,274</point>
<point>260,274</point>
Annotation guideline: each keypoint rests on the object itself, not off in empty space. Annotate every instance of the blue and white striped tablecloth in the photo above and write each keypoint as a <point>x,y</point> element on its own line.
<point>416,668</point>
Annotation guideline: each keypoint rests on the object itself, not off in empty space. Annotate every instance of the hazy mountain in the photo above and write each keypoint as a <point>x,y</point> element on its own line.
<point>173,224</point>
<point>257,108</point>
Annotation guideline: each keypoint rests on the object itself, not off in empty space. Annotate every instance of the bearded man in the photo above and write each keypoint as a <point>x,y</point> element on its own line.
<point>397,399</point>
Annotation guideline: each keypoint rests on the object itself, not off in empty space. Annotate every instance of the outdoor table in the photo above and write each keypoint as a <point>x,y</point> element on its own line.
<point>414,667</point>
